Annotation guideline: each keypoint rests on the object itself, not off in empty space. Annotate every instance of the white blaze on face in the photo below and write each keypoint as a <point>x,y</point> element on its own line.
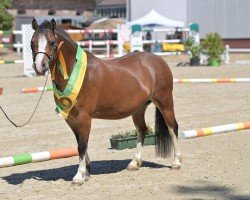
<point>42,43</point>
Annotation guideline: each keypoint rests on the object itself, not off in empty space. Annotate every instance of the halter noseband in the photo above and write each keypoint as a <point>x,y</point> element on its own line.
<point>50,57</point>
<point>42,53</point>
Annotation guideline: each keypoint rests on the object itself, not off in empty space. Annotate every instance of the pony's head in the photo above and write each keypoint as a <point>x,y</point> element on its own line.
<point>44,46</point>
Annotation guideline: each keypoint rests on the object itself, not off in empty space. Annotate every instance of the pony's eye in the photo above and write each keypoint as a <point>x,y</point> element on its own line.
<point>52,43</point>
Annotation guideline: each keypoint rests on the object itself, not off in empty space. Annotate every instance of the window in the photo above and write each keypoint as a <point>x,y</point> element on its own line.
<point>51,12</point>
<point>21,11</point>
<point>66,21</point>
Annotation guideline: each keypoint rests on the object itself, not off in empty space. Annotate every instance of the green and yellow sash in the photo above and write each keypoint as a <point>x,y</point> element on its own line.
<point>68,98</point>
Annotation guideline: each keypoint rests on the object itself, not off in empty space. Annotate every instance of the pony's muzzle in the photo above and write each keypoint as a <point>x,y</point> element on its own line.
<point>40,70</point>
<point>41,64</point>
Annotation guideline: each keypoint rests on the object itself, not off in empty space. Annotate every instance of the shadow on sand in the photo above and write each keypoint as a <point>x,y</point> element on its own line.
<point>67,173</point>
<point>208,190</point>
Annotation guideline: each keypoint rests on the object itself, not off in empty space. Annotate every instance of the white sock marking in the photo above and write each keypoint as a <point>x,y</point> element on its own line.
<point>177,153</point>
<point>81,170</point>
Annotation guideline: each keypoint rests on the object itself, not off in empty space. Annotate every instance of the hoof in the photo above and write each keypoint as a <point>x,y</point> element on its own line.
<point>176,166</point>
<point>86,178</point>
<point>132,168</point>
<point>134,165</point>
<point>77,182</point>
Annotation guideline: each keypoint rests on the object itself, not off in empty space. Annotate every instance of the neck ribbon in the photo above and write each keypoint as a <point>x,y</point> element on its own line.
<point>67,99</point>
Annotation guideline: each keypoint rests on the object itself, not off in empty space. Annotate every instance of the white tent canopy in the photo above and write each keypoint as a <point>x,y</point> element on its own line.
<point>154,18</point>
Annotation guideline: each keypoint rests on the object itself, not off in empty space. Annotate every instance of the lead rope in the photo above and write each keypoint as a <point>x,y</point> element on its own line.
<point>39,100</point>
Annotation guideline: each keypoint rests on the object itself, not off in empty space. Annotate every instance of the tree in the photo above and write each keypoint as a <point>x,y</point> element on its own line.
<point>6,19</point>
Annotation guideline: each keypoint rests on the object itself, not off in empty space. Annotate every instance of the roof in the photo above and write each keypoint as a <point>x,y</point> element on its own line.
<point>111,2</point>
<point>54,4</point>
<point>106,23</point>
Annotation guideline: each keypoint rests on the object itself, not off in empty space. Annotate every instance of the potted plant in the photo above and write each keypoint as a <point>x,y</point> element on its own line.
<point>195,51</point>
<point>129,139</point>
<point>213,47</point>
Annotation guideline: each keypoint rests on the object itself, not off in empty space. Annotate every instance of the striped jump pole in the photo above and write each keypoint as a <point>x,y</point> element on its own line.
<point>11,61</point>
<point>212,80</point>
<point>206,80</point>
<point>111,56</point>
<point>38,157</point>
<point>93,31</point>
<point>162,41</point>
<point>98,43</point>
<point>214,130</point>
<point>36,89</point>
<point>168,53</point>
<point>10,45</point>
<point>15,32</point>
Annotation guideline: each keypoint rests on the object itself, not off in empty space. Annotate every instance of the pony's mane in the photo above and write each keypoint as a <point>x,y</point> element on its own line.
<point>65,35</point>
<point>47,25</point>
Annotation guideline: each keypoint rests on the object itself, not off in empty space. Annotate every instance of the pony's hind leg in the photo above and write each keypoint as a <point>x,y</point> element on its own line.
<point>173,131</point>
<point>168,116</point>
<point>139,121</point>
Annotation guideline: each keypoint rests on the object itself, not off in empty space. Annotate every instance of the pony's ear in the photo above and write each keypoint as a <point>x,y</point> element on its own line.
<point>34,24</point>
<point>53,24</point>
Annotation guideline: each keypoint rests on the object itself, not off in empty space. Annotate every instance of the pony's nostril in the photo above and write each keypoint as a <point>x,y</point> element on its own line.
<point>43,65</point>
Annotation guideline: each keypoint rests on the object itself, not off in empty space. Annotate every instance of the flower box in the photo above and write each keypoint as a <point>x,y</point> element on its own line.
<point>130,142</point>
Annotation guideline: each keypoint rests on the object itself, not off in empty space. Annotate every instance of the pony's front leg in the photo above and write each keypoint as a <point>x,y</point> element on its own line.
<point>83,172</point>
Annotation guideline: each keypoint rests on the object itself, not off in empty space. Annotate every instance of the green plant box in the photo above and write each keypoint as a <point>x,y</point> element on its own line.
<point>195,62</point>
<point>215,63</point>
<point>130,143</point>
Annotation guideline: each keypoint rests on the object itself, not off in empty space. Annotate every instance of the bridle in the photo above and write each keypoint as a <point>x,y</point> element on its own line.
<point>50,57</point>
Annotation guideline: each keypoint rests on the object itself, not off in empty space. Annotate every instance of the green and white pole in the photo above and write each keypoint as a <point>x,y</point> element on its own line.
<point>37,157</point>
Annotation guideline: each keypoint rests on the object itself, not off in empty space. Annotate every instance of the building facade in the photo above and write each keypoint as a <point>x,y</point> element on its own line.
<point>111,8</point>
<point>67,14</point>
<point>64,11</point>
<point>52,7</point>
<point>230,18</point>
